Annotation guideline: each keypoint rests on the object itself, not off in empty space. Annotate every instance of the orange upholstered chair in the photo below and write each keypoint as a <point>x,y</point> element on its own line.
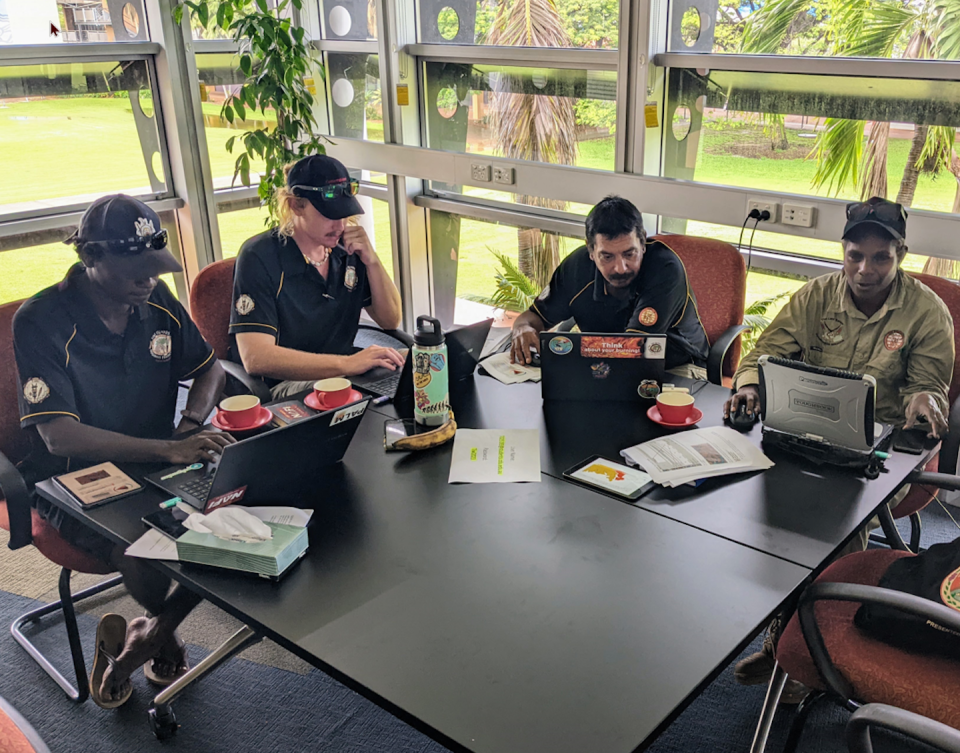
<point>26,527</point>
<point>822,648</point>
<point>16,733</point>
<point>718,276</point>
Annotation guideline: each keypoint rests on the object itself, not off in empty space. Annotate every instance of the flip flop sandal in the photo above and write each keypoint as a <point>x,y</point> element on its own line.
<point>162,681</point>
<point>111,638</point>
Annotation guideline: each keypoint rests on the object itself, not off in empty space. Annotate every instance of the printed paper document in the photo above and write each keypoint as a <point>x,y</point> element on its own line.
<point>485,456</point>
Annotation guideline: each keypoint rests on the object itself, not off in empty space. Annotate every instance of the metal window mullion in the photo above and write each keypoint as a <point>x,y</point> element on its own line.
<point>929,70</point>
<point>33,54</point>
<point>369,47</point>
<point>548,57</point>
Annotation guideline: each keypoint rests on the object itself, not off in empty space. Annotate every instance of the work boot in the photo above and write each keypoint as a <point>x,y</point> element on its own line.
<point>757,669</point>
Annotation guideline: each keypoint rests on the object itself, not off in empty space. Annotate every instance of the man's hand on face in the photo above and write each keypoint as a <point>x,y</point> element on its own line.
<point>748,395</point>
<point>524,340</point>
<point>923,404</point>
<point>355,241</point>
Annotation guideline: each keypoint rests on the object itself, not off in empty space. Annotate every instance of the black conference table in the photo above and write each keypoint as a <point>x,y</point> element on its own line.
<point>510,617</point>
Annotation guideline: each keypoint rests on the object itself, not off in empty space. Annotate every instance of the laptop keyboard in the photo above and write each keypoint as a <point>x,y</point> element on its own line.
<point>386,386</point>
<point>198,488</point>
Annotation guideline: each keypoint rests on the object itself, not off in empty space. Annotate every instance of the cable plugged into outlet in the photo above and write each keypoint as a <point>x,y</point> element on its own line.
<point>762,205</point>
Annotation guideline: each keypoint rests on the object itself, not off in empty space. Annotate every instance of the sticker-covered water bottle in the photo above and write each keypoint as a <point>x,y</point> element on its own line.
<point>431,397</point>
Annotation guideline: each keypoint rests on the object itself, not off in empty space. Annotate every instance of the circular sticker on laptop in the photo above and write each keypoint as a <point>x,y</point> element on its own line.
<point>560,345</point>
<point>648,388</point>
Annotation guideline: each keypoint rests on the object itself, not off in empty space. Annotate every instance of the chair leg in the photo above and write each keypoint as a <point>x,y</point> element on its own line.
<point>916,528</point>
<point>796,728</point>
<point>774,689</point>
<point>81,692</point>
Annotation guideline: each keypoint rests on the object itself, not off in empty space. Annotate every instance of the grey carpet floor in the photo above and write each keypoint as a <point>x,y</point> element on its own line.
<point>268,700</point>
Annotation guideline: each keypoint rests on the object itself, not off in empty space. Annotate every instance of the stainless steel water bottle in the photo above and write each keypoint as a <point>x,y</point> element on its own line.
<point>431,396</point>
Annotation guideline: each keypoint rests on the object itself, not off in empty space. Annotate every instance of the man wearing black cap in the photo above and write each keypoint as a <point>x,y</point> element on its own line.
<point>299,288</point>
<point>619,282</point>
<point>100,356</point>
<point>870,318</point>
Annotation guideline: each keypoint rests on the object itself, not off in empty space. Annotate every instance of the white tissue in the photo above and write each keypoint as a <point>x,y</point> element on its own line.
<point>230,524</point>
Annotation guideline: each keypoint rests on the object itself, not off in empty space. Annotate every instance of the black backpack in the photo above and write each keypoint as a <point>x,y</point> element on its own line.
<point>933,574</point>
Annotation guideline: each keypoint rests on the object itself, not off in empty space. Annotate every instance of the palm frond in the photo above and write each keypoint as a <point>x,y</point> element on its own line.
<point>767,28</point>
<point>948,24</point>
<point>839,151</point>
<point>874,31</point>
<point>514,292</point>
<point>937,150</point>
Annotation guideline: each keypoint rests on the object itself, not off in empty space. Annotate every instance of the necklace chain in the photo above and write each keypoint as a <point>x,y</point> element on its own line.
<point>318,264</point>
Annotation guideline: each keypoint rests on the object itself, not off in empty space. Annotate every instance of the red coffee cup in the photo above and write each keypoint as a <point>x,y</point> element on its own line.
<point>675,407</point>
<point>240,411</point>
<point>333,392</point>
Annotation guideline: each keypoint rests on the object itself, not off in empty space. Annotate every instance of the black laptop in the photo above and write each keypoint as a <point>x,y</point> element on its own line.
<point>600,366</point>
<point>464,345</point>
<point>275,467</point>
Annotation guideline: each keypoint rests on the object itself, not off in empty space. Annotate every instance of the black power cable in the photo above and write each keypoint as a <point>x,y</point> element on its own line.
<point>763,217</point>
<point>754,215</point>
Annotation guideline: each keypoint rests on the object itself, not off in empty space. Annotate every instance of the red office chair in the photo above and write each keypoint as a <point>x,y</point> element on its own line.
<point>25,526</point>
<point>822,648</point>
<point>16,733</point>
<point>718,276</point>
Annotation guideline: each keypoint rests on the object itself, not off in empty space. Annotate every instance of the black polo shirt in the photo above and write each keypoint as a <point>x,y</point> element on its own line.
<point>70,364</point>
<point>660,302</point>
<point>275,290</point>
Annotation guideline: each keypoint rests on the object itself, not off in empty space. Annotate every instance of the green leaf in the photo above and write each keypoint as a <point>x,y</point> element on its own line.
<point>203,14</point>
<point>766,29</point>
<point>228,113</point>
<point>839,152</point>
<point>221,14</point>
<point>262,5</point>
<point>246,65</point>
<point>178,14</point>
<point>230,143</point>
<point>239,108</point>
<point>299,33</point>
<point>228,14</point>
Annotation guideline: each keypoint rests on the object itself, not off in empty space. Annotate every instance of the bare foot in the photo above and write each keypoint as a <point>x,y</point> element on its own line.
<point>144,641</point>
<point>171,660</point>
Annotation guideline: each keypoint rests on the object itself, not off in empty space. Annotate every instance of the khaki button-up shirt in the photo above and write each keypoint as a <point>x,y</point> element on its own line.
<point>907,346</point>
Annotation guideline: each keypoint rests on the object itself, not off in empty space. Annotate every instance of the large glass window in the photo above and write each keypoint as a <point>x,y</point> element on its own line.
<point>525,23</point>
<point>70,132</point>
<point>349,19</point>
<point>71,21</point>
<point>357,108</point>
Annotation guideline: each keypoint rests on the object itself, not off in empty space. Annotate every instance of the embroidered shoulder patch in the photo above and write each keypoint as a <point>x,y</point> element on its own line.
<point>245,305</point>
<point>950,590</point>
<point>35,390</point>
<point>161,345</point>
<point>545,293</point>
<point>648,317</point>
<point>350,278</point>
<point>893,340</point>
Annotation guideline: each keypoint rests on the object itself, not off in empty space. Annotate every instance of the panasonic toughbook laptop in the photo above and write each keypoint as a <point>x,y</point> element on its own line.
<point>806,407</point>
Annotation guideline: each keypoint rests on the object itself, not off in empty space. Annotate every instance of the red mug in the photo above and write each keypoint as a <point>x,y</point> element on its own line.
<point>675,407</point>
<point>333,392</point>
<point>240,411</point>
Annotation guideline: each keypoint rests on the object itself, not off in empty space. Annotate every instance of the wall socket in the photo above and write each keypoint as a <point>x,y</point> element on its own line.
<point>800,215</point>
<point>503,175</point>
<point>479,173</point>
<point>761,204</point>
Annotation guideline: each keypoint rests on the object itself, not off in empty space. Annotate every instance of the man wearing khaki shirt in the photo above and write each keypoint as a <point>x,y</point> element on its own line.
<point>870,318</point>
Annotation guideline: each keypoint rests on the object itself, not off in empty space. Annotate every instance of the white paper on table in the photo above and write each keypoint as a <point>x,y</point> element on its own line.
<point>500,368</point>
<point>289,516</point>
<point>485,456</point>
<point>153,545</point>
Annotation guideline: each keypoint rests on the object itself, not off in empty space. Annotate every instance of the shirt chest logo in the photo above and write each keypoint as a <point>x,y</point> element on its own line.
<point>161,345</point>
<point>245,305</point>
<point>350,278</point>
<point>35,391</point>
<point>893,340</point>
<point>830,331</point>
<point>648,317</point>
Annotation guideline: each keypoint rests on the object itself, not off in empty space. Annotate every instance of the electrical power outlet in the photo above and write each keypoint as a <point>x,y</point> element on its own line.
<point>503,175</point>
<point>479,172</point>
<point>761,204</point>
<point>800,215</point>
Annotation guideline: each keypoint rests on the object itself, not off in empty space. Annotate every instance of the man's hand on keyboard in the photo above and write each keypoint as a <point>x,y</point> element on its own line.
<point>369,358</point>
<point>198,448</point>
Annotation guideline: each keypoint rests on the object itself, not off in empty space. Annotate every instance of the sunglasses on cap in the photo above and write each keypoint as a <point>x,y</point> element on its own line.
<point>157,241</point>
<point>885,212</point>
<point>331,192</point>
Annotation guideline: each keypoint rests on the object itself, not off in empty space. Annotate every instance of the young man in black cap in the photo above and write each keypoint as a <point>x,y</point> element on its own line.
<point>299,288</point>
<point>871,318</point>
<point>619,282</point>
<point>100,356</point>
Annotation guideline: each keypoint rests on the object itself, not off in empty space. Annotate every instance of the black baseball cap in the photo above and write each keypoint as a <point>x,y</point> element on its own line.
<point>320,171</point>
<point>129,230</point>
<point>890,216</point>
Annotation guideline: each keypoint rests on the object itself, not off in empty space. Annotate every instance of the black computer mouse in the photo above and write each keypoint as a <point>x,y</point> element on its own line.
<point>741,420</point>
<point>534,359</point>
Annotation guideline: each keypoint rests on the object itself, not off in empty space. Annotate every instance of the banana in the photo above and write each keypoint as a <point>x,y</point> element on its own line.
<point>429,439</point>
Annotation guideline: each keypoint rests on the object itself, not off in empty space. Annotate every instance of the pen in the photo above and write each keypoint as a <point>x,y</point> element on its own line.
<point>170,503</point>
<point>380,400</point>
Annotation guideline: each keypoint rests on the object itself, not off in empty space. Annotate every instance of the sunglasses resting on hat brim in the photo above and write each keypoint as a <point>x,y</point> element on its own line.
<point>331,192</point>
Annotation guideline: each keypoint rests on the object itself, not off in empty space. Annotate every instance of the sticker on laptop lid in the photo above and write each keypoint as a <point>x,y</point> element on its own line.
<point>654,347</point>
<point>348,413</point>
<point>225,499</point>
<point>600,370</point>
<point>611,346</point>
<point>560,345</point>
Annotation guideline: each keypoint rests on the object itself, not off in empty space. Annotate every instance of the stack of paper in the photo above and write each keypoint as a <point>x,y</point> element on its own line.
<point>499,367</point>
<point>692,456</point>
<point>268,558</point>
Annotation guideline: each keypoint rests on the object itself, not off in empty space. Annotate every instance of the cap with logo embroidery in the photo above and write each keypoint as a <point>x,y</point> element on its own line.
<point>310,175</point>
<point>126,227</point>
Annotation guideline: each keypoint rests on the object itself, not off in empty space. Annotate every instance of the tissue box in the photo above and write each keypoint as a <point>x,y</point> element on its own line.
<point>267,558</point>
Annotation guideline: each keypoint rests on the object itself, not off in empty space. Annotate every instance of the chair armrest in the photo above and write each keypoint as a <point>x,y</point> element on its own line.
<point>15,492</point>
<point>950,446</point>
<point>249,384</point>
<point>905,602</point>
<point>935,734</point>
<point>397,334</point>
<point>944,481</point>
<point>890,530</point>
<point>718,351</point>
